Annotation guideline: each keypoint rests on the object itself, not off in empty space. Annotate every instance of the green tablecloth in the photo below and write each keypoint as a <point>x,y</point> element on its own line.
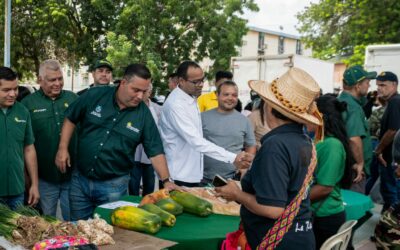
<point>356,204</point>
<point>191,232</point>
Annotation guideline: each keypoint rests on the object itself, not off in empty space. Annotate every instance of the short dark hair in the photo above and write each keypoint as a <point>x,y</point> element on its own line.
<point>7,74</point>
<point>223,74</point>
<point>173,75</point>
<point>183,68</point>
<point>137,69</point>
<point>225,83</point>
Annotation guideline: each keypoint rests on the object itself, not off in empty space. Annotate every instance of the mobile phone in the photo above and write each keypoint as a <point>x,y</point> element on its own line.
<point>219,181</point>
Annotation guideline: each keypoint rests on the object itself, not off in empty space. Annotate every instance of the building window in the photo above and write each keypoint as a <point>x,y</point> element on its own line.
<point>85,79</point>
<point>299,49</point>
<point>281,45</point>
<point>261,47</point>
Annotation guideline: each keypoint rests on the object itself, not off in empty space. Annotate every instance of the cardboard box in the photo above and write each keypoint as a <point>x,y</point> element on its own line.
<point>125,239</point>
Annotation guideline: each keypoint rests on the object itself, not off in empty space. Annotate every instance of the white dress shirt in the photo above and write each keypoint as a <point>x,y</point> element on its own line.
<point>182,136</point>
<point>140,155</point>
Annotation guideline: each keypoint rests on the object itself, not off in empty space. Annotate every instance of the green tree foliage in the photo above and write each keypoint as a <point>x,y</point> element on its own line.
<point>160,33</point>
<point>163,33</point>
<point>342,28</point>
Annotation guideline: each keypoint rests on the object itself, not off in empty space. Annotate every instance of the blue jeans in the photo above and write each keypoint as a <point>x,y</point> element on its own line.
<point>390,186</point>
<point>50,193</point>
<point>139,171</point>
<point>13,201</point>
<point>86,194</point>
<point>373,169</point>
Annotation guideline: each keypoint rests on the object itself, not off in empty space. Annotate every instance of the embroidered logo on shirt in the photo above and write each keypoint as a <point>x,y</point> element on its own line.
<point>19,121</point>
<point>96,111</point>
<point>39,110</point>
<point>130,127</point>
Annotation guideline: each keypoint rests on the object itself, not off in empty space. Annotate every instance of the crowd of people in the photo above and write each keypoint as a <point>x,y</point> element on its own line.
<point>293,150</point>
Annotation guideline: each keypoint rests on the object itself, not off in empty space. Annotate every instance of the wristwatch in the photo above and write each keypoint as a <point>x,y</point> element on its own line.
<point>169,179</point>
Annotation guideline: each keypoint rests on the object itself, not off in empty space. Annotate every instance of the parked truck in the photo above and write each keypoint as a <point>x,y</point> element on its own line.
<point>268,68</point>
<point>382,58</point>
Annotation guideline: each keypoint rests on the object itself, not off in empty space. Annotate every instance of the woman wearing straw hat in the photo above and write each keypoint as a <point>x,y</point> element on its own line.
<point>275,209</point>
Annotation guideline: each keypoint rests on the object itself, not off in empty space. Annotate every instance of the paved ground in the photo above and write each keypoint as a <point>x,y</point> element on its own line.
<point>361,240</point>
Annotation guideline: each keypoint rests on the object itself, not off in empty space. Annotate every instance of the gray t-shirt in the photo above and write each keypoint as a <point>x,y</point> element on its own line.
<point>231,131</point>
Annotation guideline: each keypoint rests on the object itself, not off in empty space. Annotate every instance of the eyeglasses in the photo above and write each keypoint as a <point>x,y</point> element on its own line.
<point>196,82</point>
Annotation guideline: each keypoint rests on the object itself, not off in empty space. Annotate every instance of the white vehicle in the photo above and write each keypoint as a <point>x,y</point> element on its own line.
<point>382,58</point>
<point>269,67</point>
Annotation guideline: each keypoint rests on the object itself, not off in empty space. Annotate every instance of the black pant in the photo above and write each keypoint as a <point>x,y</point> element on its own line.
<point>325,227</point>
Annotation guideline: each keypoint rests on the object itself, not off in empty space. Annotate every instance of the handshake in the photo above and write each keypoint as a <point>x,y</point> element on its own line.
<point>243,160</point>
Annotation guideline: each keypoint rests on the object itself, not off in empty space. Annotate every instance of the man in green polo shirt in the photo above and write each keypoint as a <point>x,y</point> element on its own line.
<point>47,107</point>
<point>16,145</point>
<point>355,86</point>
<point>113,120</point>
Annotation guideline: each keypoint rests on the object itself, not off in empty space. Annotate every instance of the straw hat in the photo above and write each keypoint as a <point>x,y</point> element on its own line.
<point>292,94</point>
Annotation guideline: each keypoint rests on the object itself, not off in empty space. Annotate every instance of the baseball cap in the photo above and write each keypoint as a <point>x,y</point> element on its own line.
<point>102,63</point>
<point>387,76</point>
<point>355,74</point>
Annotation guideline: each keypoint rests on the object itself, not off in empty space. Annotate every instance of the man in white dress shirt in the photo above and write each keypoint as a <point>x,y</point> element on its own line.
<point>181,131</point>
<point>143,171</point>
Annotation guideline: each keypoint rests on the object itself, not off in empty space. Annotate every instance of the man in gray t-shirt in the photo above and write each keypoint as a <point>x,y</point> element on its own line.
<point>227,128</point>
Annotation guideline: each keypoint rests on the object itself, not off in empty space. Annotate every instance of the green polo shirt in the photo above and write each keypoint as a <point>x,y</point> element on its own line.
<point>108,136</point>
<point>15,133</point>
<point>329,172</point>
<point>47,119</point>
<point>357,125</point>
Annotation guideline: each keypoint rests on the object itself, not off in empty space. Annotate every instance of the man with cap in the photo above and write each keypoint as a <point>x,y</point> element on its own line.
<point>387,83</point>
<point>102,74</point>
<point>355,87</point>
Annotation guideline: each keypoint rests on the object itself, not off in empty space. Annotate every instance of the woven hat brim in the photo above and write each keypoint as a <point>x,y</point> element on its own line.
<point>264,90</point>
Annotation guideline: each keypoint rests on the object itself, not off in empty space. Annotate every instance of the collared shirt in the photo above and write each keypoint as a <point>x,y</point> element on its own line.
<point>276,177</point>
<point>182,134</point>
<point>47,120</point>
<point>357,125</point>
<point>108,136</point>
<point>207,101</point>
<point>15,133</point>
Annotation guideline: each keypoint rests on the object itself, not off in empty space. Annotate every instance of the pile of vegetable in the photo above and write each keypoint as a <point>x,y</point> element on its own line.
<point>159,208</point>
<point>25,227</point>
<point>96,230</point>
